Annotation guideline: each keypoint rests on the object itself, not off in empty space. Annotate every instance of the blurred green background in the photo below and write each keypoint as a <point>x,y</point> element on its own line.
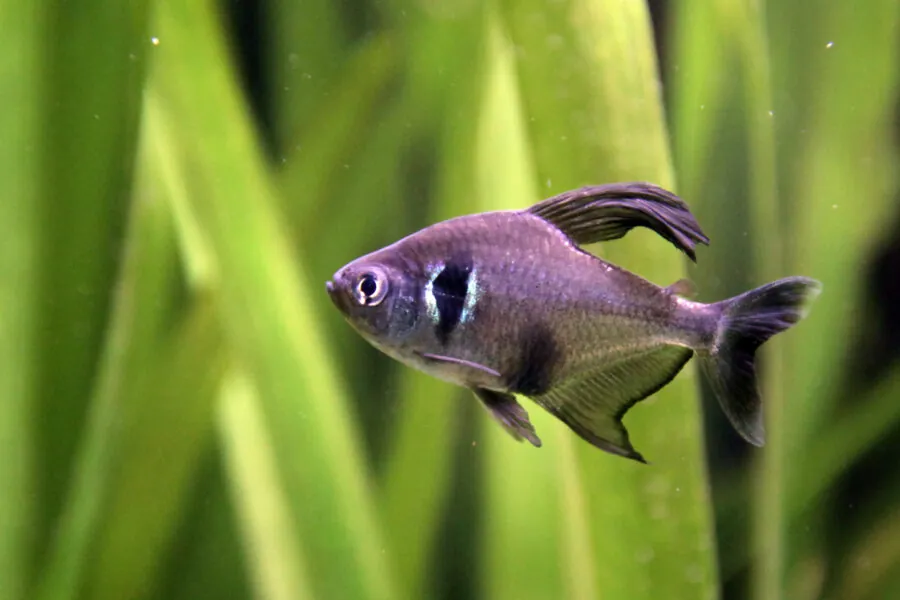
<point>183,414</point>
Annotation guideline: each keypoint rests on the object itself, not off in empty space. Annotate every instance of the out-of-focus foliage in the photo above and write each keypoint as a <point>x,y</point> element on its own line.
<point>184,415</point>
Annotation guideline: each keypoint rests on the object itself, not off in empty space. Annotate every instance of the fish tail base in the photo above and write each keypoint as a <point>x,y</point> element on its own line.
<point>746,322</point>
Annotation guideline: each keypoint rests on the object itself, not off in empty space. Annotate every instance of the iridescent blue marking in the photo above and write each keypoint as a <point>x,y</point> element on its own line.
<point>431,307</point>
<point>473,293</point>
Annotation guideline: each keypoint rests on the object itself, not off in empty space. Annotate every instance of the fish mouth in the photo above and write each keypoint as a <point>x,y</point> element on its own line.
<point>335,295</point>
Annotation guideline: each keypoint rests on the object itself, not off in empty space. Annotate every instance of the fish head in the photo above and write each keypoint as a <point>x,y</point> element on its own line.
<point>377,297</point>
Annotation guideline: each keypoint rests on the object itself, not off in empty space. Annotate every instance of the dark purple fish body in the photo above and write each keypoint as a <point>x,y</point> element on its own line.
<point>506,303</point>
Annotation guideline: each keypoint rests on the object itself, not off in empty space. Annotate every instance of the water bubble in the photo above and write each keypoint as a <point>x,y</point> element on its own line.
<point>549,183</point>
<point>771,113</point>
<point>154,40</point>
<point>829,45</point>
<point>834,206</point>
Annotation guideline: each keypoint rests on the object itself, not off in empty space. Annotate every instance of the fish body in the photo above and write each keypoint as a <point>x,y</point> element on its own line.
<point>507,303</point>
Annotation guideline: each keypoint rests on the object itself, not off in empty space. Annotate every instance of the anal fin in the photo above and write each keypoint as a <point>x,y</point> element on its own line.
<point>593,404</point>
<point>510,414</point>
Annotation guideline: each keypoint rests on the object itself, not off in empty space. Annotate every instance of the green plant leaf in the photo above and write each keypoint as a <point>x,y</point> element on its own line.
<point>140,312</point>
<point>266,309</point>
<point>95,58</point>
<point>276,560</point>
<point>168,426</point>
<point>22,76</point>
<point>307,40</point>
<point>594,113</point>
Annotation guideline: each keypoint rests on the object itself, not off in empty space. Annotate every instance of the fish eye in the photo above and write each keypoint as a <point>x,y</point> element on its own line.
<point>371,288</point>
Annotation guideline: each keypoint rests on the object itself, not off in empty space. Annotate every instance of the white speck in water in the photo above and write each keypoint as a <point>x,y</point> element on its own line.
<point>154,40</point>
<point>96,117</point>
<point>563,137</point>
<point>549,183</point>
<point>677,490</point>
<point>829,45</point>
<point>771,113</point>
<point>132,57</point>
<point>834,206</point>
<point>307,76</point>
<point>702,106</point>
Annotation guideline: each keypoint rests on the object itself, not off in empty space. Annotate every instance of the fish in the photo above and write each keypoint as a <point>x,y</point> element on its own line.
<point>508,303</point>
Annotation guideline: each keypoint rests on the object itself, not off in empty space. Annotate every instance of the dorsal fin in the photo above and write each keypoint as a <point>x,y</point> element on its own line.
<point>606,212</point>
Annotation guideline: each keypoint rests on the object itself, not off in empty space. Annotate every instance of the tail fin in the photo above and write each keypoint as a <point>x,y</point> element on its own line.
<point>746,322</point>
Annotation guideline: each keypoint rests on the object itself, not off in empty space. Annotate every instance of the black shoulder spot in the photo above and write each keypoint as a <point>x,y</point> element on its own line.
<point>450,288</point>
<point>539,357</point>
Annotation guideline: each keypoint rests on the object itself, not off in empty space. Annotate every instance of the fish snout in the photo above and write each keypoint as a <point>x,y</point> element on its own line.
<point>334,292</point>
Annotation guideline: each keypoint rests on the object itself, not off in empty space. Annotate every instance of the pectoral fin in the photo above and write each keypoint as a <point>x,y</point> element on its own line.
<point>510,414</point>
<point>468,364</point>
<point>607,212</point>
<point>593,404</point>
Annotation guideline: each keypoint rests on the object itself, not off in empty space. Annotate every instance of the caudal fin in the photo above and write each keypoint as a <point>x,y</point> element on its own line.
<point>746,322</point>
